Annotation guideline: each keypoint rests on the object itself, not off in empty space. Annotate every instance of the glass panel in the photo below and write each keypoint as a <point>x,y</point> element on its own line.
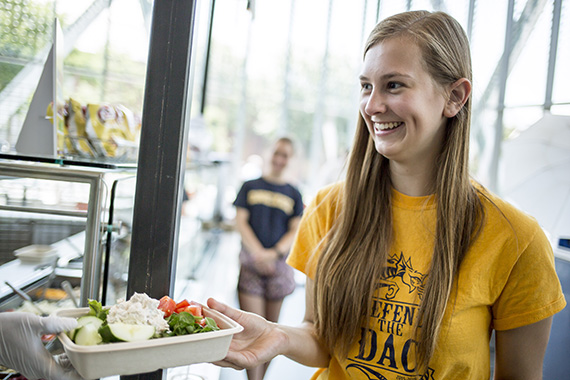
<point>37,211</point>
<point>526,84</point>
<point>518,119</point>
<point>388,8</point>
<point>563,109</point>
<point>116,245</point>
<point>25,37</point>
<point>459,10</point>
<point>487,43</point>
<point>105,50</point>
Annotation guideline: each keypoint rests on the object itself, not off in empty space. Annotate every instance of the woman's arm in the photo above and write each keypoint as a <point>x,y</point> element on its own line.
<point>519,353</point>
<point>261,340</point>
<point>248,237</point>
<point>304,347</point>
<point>264,258</point>
<point>284,244</point>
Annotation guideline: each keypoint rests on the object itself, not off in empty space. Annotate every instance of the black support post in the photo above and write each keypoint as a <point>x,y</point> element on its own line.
<point>162,154</point>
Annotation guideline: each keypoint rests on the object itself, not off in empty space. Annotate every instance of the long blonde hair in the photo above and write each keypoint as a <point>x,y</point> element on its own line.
<point>352,262</point>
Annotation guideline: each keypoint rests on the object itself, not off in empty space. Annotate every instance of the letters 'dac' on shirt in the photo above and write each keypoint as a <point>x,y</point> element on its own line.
<point>507,280</point>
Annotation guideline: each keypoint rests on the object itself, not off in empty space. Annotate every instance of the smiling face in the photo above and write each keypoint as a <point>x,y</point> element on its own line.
<point>402,106</point>
<point>280,157</point>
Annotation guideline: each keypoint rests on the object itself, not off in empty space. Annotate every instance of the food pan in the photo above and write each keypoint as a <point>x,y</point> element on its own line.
<point>36,254</point>
<point>129,358</point>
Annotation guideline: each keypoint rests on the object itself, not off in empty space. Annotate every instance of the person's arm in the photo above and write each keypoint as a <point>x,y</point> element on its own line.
<point>248,237</point>
<point>304,346</point>
<point>519,353</point>
<point>283,246</point>
<point>264,258</point>
<point>261,340</point>
<point>21,348</point>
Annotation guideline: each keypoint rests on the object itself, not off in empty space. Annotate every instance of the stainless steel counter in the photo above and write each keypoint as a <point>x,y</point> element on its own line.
<point>24,276</point>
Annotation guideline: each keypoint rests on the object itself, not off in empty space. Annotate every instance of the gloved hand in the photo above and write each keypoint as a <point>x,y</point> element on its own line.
<point>21,347</point>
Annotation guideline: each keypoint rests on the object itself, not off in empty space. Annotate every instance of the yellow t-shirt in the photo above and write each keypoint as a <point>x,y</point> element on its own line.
<point>507,280</point>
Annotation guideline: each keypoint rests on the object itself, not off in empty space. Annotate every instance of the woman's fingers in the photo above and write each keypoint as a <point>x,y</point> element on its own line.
<point>266,267</point>
<point>240,359</point>
<point>228,364</point>
<point>224,309</point>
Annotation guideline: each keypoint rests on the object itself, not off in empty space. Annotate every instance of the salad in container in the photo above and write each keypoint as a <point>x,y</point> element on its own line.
<point>143,335</point>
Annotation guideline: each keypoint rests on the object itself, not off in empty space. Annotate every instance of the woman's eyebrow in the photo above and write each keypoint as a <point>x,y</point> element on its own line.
<point>395,75</point>
<point>387,76</point>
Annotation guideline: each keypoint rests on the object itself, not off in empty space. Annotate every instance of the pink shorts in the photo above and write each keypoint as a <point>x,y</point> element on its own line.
<point>272,288</point>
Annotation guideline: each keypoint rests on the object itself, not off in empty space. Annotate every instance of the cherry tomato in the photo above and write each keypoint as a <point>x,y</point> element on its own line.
<point>195,309</point>
<point>48,338</point>
<point>181,306</point>
<point>167,305</point>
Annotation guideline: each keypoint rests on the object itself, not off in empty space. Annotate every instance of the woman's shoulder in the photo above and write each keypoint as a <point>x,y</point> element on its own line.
<point>325,202</point>
<point>500,214</point>
<point>253,182</point>
<point>293,187</point>
<point>329,194</point>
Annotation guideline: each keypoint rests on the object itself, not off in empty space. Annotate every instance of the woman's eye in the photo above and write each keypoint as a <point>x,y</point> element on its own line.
<point>366,86</point>
<point>394,85</point>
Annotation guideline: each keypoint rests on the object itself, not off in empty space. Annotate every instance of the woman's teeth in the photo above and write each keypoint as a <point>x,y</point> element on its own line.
<point>386,126</point>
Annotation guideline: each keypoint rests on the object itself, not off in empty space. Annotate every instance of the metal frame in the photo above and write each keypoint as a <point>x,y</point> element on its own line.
<point>521,31</point>
<point>556,14</point>
<point>504,74</point>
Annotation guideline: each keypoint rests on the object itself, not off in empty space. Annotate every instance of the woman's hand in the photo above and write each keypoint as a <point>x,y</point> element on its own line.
<point>258,343</point>
<point>21,347</point>
<point>265,261</point>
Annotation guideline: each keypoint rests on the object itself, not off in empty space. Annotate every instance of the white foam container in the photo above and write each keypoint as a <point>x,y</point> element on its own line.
<point>36,254</point>
<point>129,358</point>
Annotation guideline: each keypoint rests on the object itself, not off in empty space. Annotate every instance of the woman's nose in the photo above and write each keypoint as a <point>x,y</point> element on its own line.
<point>375,103</point>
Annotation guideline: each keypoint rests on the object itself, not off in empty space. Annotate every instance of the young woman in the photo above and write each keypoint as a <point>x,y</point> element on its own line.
<point>268,211</point>
<point>411,264</point>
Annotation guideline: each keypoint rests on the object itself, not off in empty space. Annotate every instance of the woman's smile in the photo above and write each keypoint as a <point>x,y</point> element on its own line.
<point>383,127</point>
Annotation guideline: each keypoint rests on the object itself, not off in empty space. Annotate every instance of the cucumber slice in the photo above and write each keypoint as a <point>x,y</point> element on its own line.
<point>89,319</point>
<point>82,321</point>
<point>71,334</point>
<point>131,333</point>
<point>87,335</point>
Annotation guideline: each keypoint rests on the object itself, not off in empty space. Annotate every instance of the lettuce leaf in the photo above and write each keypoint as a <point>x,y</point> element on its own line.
<point>96,309</point>
<point>185,323</point>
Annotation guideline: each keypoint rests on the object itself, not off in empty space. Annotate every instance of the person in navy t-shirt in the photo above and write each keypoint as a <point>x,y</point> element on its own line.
<point>268,211</point>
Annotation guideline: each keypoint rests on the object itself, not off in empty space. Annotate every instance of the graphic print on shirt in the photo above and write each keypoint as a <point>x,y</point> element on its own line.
<point>271,199</point>
<point>387,349</point>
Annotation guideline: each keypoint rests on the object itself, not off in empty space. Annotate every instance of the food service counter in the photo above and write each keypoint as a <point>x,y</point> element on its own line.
<point>93,177</point>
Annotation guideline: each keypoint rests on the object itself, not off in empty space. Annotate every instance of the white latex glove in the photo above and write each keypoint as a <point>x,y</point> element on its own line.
<point>21,347</point>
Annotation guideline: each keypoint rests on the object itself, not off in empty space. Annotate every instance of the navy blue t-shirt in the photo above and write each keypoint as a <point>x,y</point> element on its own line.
<point>270,207</point>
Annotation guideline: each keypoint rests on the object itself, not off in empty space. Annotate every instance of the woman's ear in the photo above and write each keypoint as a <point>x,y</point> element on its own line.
<point>459,92</point>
